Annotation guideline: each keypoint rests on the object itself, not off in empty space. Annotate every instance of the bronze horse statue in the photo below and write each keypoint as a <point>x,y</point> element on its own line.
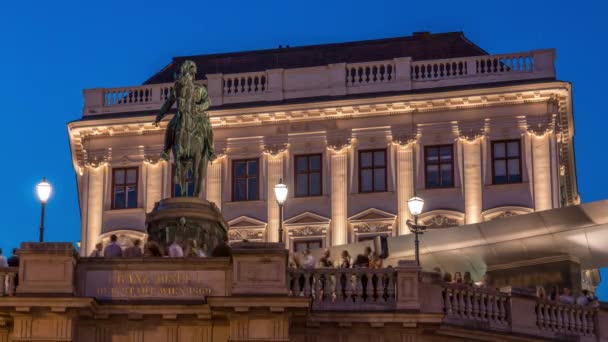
<point>189,134</point>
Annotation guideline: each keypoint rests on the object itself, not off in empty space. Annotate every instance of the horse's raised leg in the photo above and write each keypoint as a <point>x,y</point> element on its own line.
<point>197,174</point>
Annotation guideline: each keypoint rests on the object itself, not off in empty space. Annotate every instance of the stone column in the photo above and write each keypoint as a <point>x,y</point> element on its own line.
<point>93,194</point>
<point>275,173</point>
<point>405,184</point>
<point>214,182</point>
<point>541,171</point>
<point>472,179</point>
<point>339,188</point>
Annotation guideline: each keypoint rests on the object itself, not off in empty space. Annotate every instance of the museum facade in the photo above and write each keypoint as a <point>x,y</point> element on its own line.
<point>353,129</point>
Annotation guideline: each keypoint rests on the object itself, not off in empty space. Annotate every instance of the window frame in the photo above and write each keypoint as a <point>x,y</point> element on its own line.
<point>125,185</point>
<point>439,163</point>
<point>361,168</point>
<point>308,173</point>
<point>234,178</point>
<point>506,158</point>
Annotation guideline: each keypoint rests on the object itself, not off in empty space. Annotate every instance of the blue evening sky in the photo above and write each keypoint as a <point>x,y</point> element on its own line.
<point>51,50</point>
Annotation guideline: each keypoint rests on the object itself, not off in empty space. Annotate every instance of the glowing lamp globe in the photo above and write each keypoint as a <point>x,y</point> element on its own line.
<point>43,190</point>
<point>280,192</point>
<point>415,205</point>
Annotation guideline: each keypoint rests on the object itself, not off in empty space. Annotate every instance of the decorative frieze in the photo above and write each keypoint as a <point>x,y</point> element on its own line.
<point>440,221</point>
<point>246,234</point>
<point>372,227</point>
<point>307,231</point>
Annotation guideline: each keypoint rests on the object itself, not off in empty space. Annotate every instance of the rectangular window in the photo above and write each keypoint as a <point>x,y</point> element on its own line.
<point>300,246</point>
<point>124,188</point>
<point>177,189</point>
<point>372,170</point>
<point>245,186</point>
<point>439,166</point>
<point>506,162</point>
<point>308,175</point>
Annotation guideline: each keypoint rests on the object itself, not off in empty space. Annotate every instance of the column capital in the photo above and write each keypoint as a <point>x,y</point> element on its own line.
<point>275,150</point>
<point>406,140</point>
<point>472,135</point>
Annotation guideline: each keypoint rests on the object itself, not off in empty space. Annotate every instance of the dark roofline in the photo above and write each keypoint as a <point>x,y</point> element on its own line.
<point>477,50</point>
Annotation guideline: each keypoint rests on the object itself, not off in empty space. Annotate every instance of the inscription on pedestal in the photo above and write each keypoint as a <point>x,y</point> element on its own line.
<point>154,285</point>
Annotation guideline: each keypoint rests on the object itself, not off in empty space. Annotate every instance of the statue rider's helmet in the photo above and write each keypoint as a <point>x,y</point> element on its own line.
<point>188,67</point>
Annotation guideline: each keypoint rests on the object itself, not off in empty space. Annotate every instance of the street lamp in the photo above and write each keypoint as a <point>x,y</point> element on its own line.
<point>280,192</point>
<point>415,205</point>
<point>43,190</point>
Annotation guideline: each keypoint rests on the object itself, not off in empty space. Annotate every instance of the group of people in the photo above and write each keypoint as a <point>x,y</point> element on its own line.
<point>566,296</point>
<point>12,261</point>
<point>177,249</point>
<point>306,260</point>
<point>458,278</point>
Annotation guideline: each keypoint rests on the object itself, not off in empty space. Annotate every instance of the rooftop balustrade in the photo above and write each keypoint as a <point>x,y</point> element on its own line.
<point>334,80</point>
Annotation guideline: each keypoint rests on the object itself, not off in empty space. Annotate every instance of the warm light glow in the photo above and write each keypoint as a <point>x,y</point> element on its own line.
<point>280,192</point>
<point>415,205</point>
<point>43,189</point>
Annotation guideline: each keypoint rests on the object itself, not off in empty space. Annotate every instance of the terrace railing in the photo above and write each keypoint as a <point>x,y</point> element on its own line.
<point>345,288</point>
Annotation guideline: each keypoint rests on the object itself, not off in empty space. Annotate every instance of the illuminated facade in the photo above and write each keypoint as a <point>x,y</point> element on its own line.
<point>353,129</point>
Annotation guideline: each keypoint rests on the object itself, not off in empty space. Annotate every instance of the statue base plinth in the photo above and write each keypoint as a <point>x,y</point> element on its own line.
<point>184,219</point>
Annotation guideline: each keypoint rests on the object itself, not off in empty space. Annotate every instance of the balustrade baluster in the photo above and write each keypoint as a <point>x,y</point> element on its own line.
<point>469,304</point>
<point>447,305</point>
<point>475,302</point>
<point>482,307</point>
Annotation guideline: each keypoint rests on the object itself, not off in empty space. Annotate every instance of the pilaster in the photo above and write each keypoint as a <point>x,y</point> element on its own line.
<point>541,170</point>
<point>275,173</point>
<point>93,206</point>
<point>405,183</point>
<point>214,182</point>
<point>472,178</point>
<point>339,214</point>
<point>154,182</point>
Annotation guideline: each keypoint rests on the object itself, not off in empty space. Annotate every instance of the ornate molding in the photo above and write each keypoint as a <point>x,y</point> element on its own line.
<point>372,227</point>
<point>339,145</point>
<point>275,149</point>
<point>406,140</point>
<point>441,221</point>
<point>96,162</point>
<point>307,231</point>
<point>245,234</point>
<point>153,159</point>
<point>540,129</point>
<point>472,135</point>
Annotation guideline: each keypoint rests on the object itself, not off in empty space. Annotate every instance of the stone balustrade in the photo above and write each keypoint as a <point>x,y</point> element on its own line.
<point>370,73</point>
<point>399,74</point>
<point>342,289</point>
<point>469,303</point>
<point>260,269</point>
<point>8,277</point>
<point>566,319</point>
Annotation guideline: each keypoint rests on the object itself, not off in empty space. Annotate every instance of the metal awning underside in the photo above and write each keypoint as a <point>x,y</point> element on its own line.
<point>580,232</point>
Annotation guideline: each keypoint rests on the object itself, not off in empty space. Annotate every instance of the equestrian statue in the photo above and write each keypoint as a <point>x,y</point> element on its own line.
<point>189,134</point>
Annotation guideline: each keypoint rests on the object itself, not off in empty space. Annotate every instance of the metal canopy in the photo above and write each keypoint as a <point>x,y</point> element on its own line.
<point>580,232</point>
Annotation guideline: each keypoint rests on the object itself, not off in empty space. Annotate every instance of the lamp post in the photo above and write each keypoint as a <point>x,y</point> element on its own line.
<point>280,192</point>
<point>415,205</point>
<point>43,190</point>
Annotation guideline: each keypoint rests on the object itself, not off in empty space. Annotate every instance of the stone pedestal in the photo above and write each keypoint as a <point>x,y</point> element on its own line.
<point>186,218</point>
<point>46,268</point>
<point>407,285</point>
<point>259,268</point>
